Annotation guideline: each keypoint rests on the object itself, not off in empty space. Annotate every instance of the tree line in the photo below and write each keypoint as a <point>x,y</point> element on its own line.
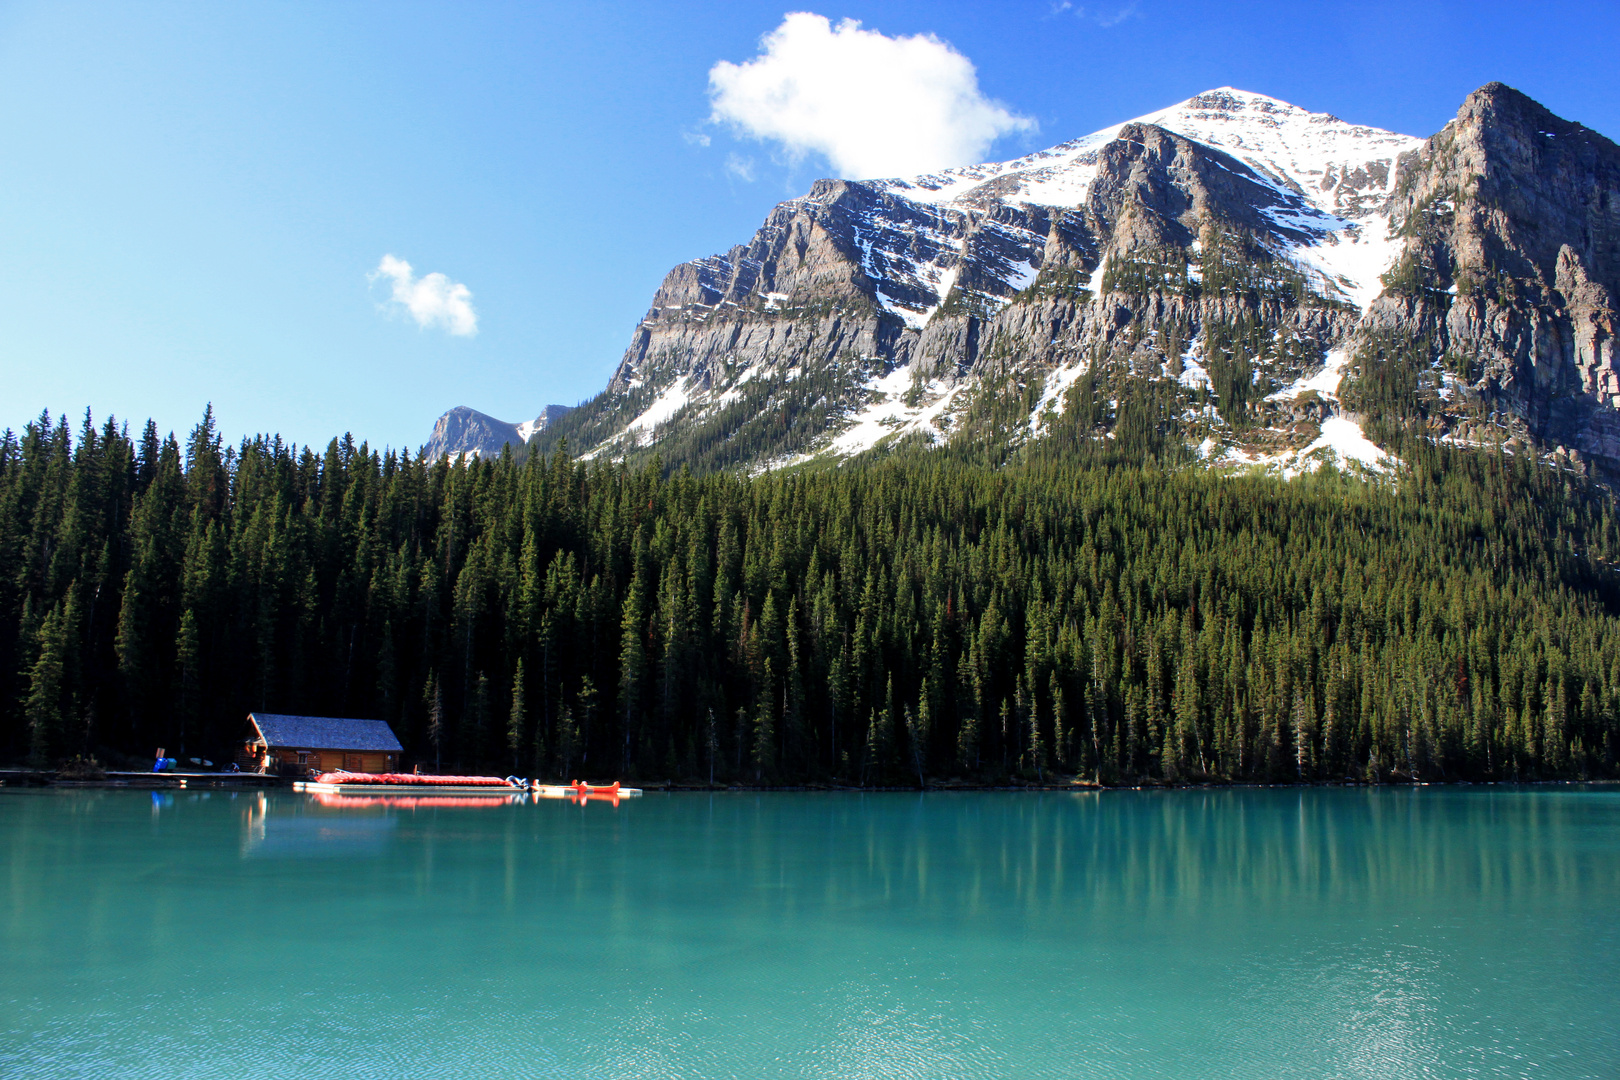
<point>1067,612</point>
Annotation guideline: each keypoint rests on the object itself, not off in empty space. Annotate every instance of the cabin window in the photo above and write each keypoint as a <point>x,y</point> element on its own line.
<point>303,757</point>
<point>352,762</point>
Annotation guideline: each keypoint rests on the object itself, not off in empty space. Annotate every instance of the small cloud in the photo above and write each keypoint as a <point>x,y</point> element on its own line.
<point>1104,17</point>
<point>873,105</point>
<point>740,167</point>
<point>432,299</point>
<point>695,138</point>
<point>1127,12</point>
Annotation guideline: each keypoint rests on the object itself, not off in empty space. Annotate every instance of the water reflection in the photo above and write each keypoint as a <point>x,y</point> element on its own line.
<point>297,829</point>
<point>1165,855</point>
<point>1297,933</point>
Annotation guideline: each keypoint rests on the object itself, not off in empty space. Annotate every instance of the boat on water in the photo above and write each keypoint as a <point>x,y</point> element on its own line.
<point>580,792</point>
<point>357,783</point>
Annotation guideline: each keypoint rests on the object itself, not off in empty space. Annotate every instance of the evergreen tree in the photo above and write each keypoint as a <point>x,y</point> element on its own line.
<point>517,718</point>
<point>433,698</point>
<point>45,690</point>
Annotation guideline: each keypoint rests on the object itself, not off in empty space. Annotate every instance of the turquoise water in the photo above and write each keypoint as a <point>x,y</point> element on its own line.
<point>1243,933</point>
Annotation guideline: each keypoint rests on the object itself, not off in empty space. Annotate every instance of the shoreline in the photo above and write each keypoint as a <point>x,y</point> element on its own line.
<point>36,779</point>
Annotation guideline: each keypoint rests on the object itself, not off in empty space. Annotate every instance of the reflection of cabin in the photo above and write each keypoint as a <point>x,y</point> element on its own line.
<point>297,744</point>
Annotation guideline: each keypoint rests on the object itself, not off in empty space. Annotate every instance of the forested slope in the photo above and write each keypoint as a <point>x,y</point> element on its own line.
<point>928,617</point>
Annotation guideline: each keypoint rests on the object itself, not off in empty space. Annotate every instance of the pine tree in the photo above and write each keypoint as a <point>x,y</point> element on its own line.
<point>45,691</point>
<point>632,666</point>
<point>763,749</point>
<point>711,743</point>
<point>568,741</point>
<point>1180,742</point>
<point>585,707</point>
<point>476,727</point>
<point>517,718</point>
<point>433,698</point>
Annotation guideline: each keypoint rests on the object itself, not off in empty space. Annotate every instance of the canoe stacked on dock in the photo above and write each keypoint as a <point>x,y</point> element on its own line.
<point>373,783</point>
<point>353,783</point>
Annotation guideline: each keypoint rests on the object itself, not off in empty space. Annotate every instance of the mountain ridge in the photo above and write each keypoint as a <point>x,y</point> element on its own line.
<point>1219,261</point>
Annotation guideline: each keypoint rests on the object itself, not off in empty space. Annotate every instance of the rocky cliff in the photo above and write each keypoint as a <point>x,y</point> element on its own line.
<point>1221,267</point>
<point>1500,310</point>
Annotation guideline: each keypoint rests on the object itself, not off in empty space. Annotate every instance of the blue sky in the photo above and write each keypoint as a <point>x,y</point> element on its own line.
<point>195,199</point>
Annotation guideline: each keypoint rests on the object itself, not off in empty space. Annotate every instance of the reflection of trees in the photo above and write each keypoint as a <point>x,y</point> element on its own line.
<point>1064,857</point>
<point>783,863</point>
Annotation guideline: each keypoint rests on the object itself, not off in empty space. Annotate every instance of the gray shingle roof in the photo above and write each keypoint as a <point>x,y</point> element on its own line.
<point>325,732</point>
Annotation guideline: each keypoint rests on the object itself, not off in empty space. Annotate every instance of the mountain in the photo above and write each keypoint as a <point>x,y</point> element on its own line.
<point>464,431</point>
<point>1499,313</point>
<point>1233,278</point>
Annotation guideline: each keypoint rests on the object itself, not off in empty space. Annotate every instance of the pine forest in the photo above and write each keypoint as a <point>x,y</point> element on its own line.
<point>928,618</point>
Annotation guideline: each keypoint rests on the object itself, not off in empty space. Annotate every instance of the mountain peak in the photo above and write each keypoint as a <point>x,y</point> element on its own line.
<point>1307,153</point>
<point>465,431</point>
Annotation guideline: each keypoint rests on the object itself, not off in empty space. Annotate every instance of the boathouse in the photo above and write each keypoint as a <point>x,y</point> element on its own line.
<point>295,745</point>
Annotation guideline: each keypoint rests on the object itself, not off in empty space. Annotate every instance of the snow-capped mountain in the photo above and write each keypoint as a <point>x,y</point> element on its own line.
<point>1332,180</point>
<point>1222,262</point>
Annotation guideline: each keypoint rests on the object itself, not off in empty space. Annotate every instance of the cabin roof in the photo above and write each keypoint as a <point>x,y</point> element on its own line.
<point>325,732</point>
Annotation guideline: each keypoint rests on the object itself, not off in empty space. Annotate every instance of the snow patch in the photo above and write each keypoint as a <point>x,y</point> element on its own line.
<point>1345,440</point>
<point>1193,373</point>
<point>1325,381</point>
<point>1354,258</point>
<point>888,414</point>
<point>1022,275</point>
<point>674,398</point>
<point>1057,384</point>
<point>1341,440</point>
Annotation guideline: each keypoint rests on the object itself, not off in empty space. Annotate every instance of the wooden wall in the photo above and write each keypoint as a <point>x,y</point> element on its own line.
<point>331,760</point>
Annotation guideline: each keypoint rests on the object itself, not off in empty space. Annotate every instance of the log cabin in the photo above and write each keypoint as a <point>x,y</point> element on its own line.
<point>298,745</point>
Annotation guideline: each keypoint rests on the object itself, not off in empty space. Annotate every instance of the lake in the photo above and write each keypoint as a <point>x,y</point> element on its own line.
<point>1439,932</point>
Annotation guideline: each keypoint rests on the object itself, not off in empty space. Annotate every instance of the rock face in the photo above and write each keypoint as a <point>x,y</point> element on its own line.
<point>463,431</point>
<point>1219,267</point>
<point>1508,277</point>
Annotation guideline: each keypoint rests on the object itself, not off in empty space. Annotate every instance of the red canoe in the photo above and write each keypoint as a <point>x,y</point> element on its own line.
<point>608,790</point>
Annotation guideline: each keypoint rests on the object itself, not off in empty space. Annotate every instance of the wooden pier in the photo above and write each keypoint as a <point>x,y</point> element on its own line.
<point>114,778</point>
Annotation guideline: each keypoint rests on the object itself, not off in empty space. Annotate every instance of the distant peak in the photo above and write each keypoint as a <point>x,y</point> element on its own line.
<point>1497,103</point>
<point>1500,95</point>
<point>1234,93</point>
<point>1230,99</point>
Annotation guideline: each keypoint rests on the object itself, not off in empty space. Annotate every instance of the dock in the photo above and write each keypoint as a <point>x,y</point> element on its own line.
<point>316,787</point>
<point>117,778</point>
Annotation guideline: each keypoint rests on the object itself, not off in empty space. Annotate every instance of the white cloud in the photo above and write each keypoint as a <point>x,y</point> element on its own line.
<point>432,299</point>
<point>1104,17</point>
<point>740,167</point>
<point>874,105</point>
<point>695,138</point>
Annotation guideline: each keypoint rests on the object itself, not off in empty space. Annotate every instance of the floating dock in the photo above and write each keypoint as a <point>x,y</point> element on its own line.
<point>341,783</point>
